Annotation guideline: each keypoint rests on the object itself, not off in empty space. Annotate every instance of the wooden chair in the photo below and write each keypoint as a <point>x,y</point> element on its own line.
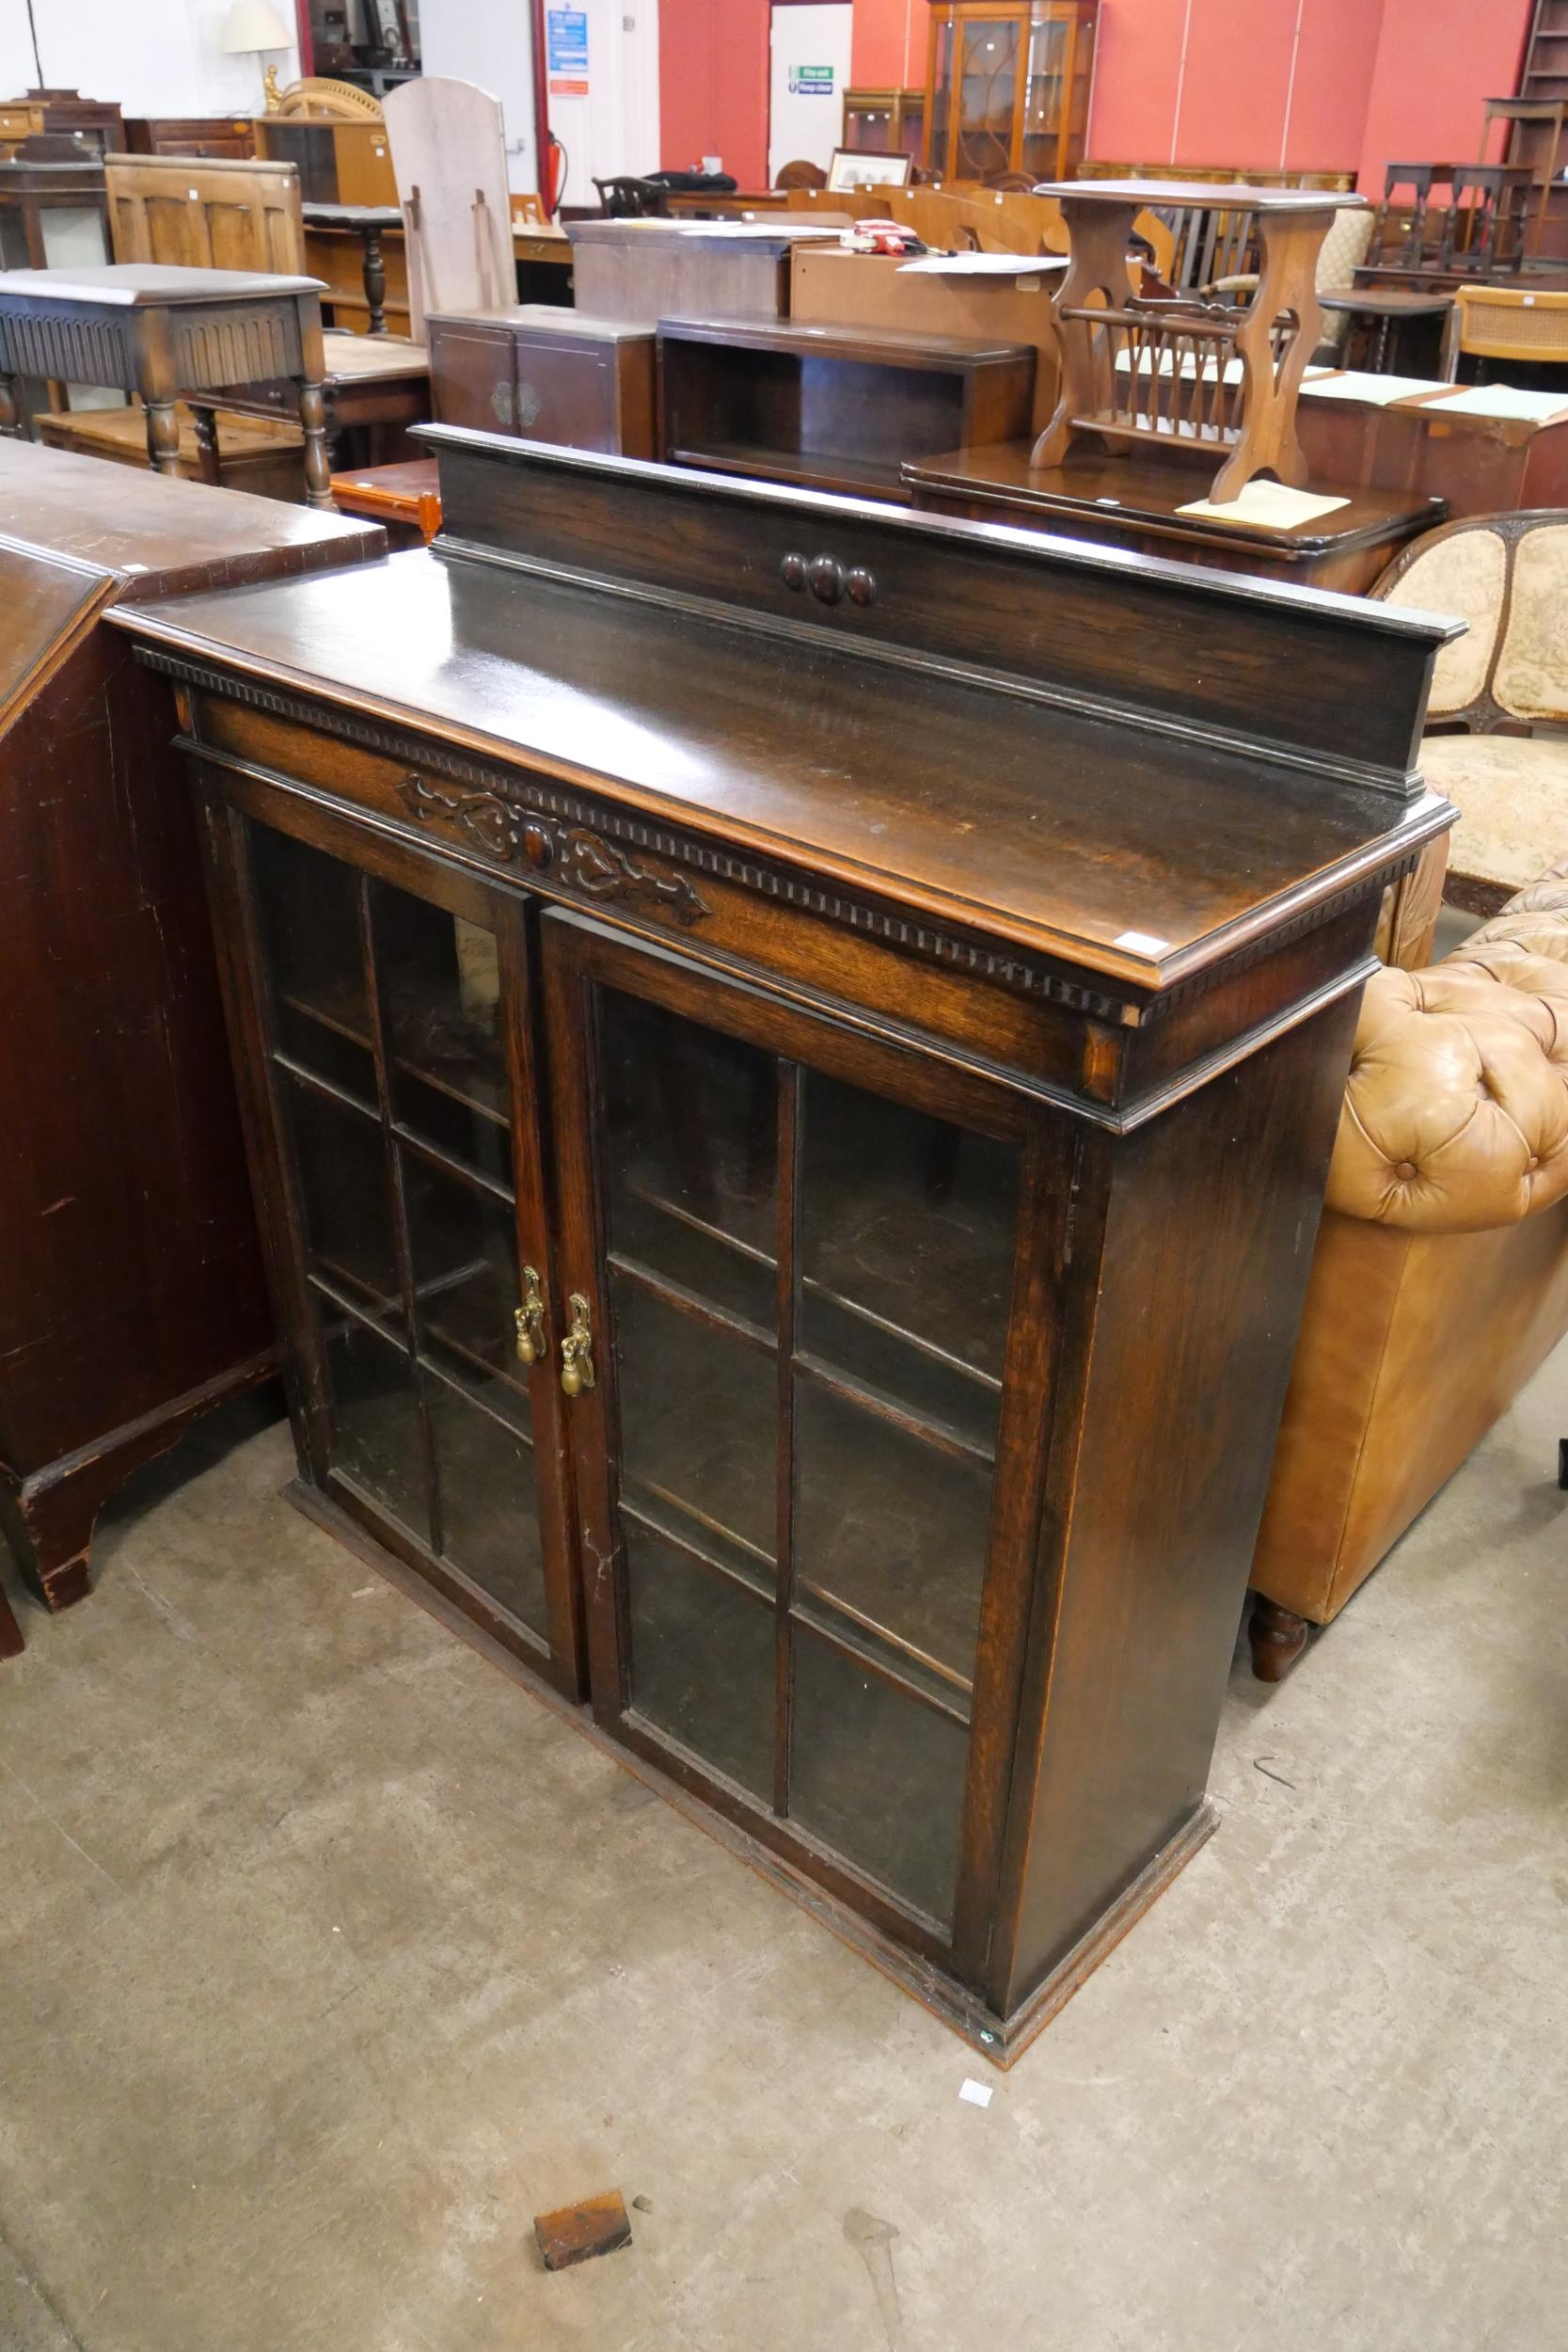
<point>1339,256</point>
<point>449,155</point>
<point>328,101</point>
<point>1494,321</point>
<point>1508,575</point>
<point>206,214</point>
<point>796,175</point>
<point>627,197</point>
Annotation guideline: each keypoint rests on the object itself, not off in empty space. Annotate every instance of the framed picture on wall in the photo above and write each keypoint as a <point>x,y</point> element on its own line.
<point>861,168</point>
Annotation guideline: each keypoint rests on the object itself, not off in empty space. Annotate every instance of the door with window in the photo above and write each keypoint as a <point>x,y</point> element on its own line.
<point>397,1067</point>
<point>808,1417</point>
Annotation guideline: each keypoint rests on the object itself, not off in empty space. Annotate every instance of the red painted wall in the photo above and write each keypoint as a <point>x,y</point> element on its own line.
<point>890,44</point>
<point>1436,61</point>
<point>713,85</point>
<point>1310,85</point>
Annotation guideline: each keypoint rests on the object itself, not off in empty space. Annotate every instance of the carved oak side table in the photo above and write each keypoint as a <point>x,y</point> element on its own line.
<point>166,333</point>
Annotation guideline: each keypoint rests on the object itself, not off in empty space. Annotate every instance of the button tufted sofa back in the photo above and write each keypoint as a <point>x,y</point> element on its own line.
<point>1455,1116</point>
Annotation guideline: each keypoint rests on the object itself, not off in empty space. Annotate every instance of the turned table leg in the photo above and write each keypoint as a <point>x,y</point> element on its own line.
<point>318,465</point>
<point>163,436</point>
<point>375,281</point>
<point>1277,1636</point>
<point>207,445</point>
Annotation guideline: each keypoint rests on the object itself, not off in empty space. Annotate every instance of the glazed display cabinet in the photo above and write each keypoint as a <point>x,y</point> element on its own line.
<point>1007,88</point>
<point>791,1137</point>
<point>884,121</point>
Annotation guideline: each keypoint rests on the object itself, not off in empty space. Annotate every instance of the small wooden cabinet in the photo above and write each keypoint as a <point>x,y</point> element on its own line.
<point>832,407</point>
<point>790,1058</point>
<point>94,124</point>
<point>232,135</point>
<point>884,121</point>
<point>546,373</point>
<point>1007,88</point>
<point>339,162</point>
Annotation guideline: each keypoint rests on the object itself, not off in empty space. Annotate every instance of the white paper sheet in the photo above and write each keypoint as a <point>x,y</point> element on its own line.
<point>1507,400</point>
<point>984,265</point>
<point>1378,391</point>
<point>1271,504</point>
<point>773,227</point>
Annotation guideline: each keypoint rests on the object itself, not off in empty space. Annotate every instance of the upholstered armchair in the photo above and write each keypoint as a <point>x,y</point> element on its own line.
<point>1440,1281</point>
<point>1505,684</point>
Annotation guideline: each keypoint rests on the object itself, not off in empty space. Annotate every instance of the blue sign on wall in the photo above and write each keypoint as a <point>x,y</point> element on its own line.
<point>567,33</point>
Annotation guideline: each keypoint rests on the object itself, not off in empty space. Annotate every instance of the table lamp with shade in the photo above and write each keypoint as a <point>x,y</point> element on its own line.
<point>255,26</point>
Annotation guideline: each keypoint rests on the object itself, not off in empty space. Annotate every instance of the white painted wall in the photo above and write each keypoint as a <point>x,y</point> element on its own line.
<point>615,128</point>
<point>806,123</point>
<point>155,56</point>
<point>490,42</point>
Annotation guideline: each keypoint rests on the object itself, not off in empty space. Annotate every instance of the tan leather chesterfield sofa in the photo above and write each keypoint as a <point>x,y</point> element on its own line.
<point>1441,1275</point>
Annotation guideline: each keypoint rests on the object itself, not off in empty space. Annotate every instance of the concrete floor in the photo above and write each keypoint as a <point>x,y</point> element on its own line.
<point>329,1956</point>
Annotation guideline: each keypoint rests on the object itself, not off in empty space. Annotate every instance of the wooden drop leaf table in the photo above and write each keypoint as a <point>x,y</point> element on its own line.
<point>790,1052</point>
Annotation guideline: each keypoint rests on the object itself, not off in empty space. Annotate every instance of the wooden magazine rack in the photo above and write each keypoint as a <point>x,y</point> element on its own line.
<point>1187,375</point>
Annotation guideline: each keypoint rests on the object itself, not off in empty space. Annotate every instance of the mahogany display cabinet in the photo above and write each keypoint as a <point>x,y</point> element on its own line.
<point>790,1053</point>
<point>1007,88</point>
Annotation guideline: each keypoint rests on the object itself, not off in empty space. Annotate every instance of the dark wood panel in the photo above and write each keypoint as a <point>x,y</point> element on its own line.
<point>1199,651</point>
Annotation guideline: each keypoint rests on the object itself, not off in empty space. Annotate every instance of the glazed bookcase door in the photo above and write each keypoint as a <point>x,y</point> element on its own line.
<point>807,1458</point>
<point>398,1086</point>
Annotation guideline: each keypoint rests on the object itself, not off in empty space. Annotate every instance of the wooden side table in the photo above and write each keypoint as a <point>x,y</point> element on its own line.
<point>378,388</point>
<point>161,332</point>
<point>369,223</point>
<point>1383,315</point>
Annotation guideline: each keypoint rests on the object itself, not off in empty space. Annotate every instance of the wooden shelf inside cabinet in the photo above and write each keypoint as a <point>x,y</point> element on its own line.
<point>922,998</point>
<point>832,407</point>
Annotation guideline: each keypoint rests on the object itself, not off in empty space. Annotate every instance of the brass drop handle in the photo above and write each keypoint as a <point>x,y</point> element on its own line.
<point>577,1349</point>
<point>529,1319</point>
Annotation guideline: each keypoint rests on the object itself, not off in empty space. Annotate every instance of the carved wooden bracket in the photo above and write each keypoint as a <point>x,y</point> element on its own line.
<point>605,872</point>
<point>509,835</point>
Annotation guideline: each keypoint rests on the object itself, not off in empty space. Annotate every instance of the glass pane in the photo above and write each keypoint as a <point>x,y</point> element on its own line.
<point>74,236</point>
<point>691,1123</point>
<point>13,238</point>
<point>699,1417</point>
<point>345,1198</point>
<point>310,1043</point>
<point>375,1421</point>
<point>986,98</point>
<point>877,1776</point>
<point>907,1230</point>
<point>891,1532</point>
<point>703,1660</point>
<point>440,976</point>
<point>942,101</point>
<point>489,1504</point>
<point>463,1243</point>
<point>310,912</point>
